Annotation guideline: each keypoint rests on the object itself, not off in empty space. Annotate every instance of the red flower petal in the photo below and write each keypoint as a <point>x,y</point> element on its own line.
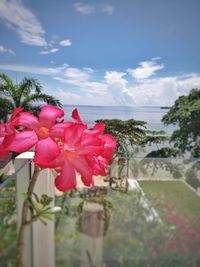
<point>100,127</point>
<point>20,142</point>
<point>84,169</point>
<point>76,116</point>
<point>15,113</point>
<point>49,115</point>
<point>46,151</point>
<point>3,151</point>
<point>27,120</point>
<point>110,141</point>
<point>58,129</point>
<point>73,134</point>
<point>67,179</point>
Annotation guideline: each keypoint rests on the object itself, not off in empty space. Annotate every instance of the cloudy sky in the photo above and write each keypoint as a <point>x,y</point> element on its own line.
<point>115,52</point>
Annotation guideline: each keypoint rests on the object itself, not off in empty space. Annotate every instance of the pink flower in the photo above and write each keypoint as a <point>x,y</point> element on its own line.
<point>68,147</point>
<point>3,151</point>
<point>8,129</point>
<point>99,163</point>
<point>76,147</point>
<point>87,152</point>
<point>40,131</point>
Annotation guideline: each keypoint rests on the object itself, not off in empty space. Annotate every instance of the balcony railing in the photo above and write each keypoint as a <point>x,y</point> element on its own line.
<point>78,234</point>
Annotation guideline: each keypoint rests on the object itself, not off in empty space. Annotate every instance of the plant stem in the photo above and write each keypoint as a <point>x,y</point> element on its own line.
<point>25,209</point>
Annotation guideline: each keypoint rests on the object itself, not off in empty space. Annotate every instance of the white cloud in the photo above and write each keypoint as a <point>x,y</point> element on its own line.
<point>19,18</point>
<point>3,50</point>
<point>118,87</point>
<point>151,92</point>
<point>46,52</point>
<point>163,91</point>
<point>108,9</point>
<point>77,75</point>
<point>81,78</point>
<point>34,69</point>
<point>78,98</point>
<point>81,86</point>
<point>84,9</point>
<point>65,42</point>
<point>115,77</point>
<point>146,69</point>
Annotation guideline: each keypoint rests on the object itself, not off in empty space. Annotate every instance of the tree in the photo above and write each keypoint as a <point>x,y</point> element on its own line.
<point>24,94</point>
<point>185,113</point>
<point>131,134</point>
<point>127,133</point>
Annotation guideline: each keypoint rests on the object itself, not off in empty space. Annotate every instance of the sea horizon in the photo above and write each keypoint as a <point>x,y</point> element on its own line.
<point>133,106</point>
<point>152,115</point>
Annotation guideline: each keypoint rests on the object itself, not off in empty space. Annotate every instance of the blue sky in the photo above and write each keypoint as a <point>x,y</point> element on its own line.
<point>130,52</point>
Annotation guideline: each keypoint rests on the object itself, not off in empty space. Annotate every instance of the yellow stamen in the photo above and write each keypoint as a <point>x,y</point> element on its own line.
<point>69,153</point>
<point>43,132</point>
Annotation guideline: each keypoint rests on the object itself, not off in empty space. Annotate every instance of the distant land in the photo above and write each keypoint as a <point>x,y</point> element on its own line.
<point>165,107</point>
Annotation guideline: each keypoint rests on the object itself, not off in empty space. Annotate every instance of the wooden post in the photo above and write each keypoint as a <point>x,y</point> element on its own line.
<point>39,238</point>
<point>92,235</point>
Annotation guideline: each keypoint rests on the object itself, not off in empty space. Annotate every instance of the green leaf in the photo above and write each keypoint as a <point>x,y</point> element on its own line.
<point>38,206</point>
<point>46,200</point>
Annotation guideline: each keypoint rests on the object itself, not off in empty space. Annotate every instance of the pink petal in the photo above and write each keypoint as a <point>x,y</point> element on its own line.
<point>57,162</point>
<point>15,113</point>
<point>90,150</point>
<point>109,141</point>
<point>109,146</point>
<point>100,127</point>
<point>98,165</point>
<point>20,141</point>
<point>90,144</point>
<point>76,116</point>
<point>84,169</point>
<point>74,133</point>
<point>58,130</point>
<point>46,151</point>
<point>49,115</point>
<point>27,120</point>
<point>3,151</point>
<point>67,179</point>
<point>89,139</point>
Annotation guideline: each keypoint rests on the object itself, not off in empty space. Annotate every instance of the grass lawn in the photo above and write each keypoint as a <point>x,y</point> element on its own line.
<point>174,193</point>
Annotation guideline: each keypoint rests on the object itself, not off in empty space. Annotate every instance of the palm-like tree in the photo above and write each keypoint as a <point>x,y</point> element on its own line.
<point>25,95</point>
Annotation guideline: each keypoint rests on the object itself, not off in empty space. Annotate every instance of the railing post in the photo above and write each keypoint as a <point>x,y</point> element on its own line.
<point>92,234</point>
<point>39,239</point>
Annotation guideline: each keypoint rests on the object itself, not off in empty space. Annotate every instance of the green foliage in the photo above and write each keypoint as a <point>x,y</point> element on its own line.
<point>8,226</point>
<point>6,108</point>
<point>127,133</point>
<point>24,95</point>
<point>154,137</point>
<point>164,152</point>
<point>185,113</point>
<point>40,208</point>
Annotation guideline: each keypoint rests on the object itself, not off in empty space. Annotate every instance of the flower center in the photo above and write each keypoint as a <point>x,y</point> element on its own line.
<point>69,153</point>
<point>43,132</point>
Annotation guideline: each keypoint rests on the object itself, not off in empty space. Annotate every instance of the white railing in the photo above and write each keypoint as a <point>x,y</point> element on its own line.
<point>39,238</point>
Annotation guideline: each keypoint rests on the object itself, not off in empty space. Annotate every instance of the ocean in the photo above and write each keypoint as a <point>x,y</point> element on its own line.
<point>151,115</point>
